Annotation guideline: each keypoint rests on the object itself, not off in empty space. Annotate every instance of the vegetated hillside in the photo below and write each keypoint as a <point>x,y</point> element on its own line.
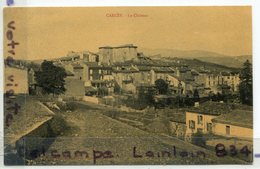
<point>207,56</point>
<point>235,61</point>
<point>180,53</point>
<point>197,64</point>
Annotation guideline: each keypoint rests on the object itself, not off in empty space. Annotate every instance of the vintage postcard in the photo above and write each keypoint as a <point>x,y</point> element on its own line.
<point>128,85</point>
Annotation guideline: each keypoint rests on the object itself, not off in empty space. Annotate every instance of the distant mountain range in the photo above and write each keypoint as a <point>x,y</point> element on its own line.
<point>206,56</point>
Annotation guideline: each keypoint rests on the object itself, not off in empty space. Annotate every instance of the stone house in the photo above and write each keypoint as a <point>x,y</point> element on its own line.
<point>219,119</point>
<point>238,123</point>
<point>110,55</point>
<point>125,78</point>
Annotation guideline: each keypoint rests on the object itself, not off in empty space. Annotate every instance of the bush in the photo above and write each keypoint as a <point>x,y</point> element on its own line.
<point>57,125</point>
<point>69,106</point>
<point>198,139</point>
<point>103,91</point>
<point>112,114</point>
<point>135,103</point>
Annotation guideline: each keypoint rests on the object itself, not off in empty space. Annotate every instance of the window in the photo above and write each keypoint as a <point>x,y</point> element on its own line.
<point>209,127</point>
<point>142,76</point>
<point>97,59</point>
<point>199,130</point>
<point>91,71</point>
<point>99,71</point>
<point>91,78</point>
<point>227,130</point>
<point>192,124</point>
<point>200,119</point>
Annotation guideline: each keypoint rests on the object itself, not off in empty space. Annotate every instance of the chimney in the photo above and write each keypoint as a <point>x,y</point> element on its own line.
<point>196,104</point>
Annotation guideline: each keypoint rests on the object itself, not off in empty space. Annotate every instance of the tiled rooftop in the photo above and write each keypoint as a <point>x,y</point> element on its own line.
<point>217,108</point>
<point>237,117</point>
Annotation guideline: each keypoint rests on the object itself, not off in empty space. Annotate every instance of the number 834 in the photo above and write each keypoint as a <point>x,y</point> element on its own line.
<point>233,151</point>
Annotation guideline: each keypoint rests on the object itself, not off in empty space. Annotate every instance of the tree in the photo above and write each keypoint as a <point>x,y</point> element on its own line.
<point>225,89</point>
<point>246,84</point>
<point>103,91</point>
<point>188,101</point>
<point>161,86</point>
<point>51,78</point>
<point>146,95</point>
<point>198,139</point>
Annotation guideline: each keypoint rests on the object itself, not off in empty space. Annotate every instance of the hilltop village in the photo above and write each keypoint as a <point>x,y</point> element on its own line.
<point>154,95</point>
<point>124,68</point>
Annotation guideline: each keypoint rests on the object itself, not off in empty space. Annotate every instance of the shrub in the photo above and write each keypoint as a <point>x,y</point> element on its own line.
<point>69,106</point>
<point>57,125</point>
<point>112,114</point>
<point>198,139</point>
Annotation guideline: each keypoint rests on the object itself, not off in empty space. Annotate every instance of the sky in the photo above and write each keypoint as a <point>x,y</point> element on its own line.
<point>53,32</point>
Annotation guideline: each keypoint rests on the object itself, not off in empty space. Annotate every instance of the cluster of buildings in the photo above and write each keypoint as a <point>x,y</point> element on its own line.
<point>215,118</point>
<point>126,69</point>
<point>123,69</point>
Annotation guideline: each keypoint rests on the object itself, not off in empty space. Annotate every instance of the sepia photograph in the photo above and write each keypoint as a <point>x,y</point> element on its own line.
<point>128,85</point>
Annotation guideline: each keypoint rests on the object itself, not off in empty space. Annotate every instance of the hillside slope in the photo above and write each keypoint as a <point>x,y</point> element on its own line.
<point>207,56</point>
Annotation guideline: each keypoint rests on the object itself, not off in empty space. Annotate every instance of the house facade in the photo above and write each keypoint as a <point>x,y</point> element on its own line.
<point>221,120</point>
<point>160,73</point>
<point>199,122</point>
<point>144,75</point>
<point>218,82</point>
<point>125,78</point>
<point>74,87</point>
<point>238,123</point>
